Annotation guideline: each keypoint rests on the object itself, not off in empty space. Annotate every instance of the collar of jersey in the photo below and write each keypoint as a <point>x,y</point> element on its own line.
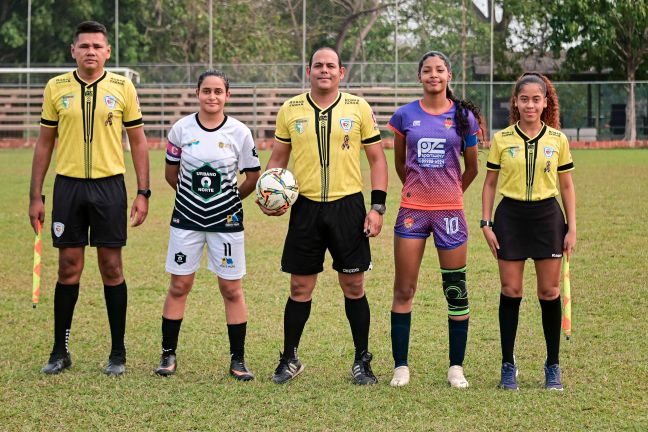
<point>452,105</point>
<point>207,129</point>
<point>543,129</point>
<point>318,108</point>
<point>78,78</point>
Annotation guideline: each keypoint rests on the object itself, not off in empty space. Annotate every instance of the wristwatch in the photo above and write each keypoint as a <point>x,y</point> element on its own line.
<point>484,223</point>
<point>145,192</point>
<point>379,208</point>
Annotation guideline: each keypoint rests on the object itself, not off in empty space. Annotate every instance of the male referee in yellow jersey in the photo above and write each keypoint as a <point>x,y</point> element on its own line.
<point>87,109</point>
<point>325,130</point>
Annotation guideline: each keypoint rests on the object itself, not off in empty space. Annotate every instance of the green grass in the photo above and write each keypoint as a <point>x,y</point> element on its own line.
<point>604,365</point>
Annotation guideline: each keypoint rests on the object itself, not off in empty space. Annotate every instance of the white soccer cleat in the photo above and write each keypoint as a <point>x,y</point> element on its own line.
<point>401,377</point>
<point>456,377</point>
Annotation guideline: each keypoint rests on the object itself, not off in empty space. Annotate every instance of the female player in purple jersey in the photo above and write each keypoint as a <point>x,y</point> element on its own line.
<point>430,136</point>
<point>532,161</point>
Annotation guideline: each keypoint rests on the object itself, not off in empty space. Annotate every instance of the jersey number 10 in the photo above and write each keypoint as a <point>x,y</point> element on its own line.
<point>451,225</point>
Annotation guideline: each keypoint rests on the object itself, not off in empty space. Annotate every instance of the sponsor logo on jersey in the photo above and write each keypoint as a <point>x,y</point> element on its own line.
<point>295,103</point>
<point>206,182</point>
<point>117,81</point>
<point>193,142</point>
<point>447,123</point>
<point>224,145</point>
<point>109,119</point>
<point>67,100</point>
<point>513,151</point>
<point>300,125</point>
<point>556,255</point>
<point>416,123</point>
<point>430,152</point>
<point>507,133</point>
<point>232,220</point>
<point>548,151</point>
<point>554,133</point>
<point>351,101</point>
<point>62,80</point>
<point>346,124</point>
<point>58,229</point>
<point>110,101</point>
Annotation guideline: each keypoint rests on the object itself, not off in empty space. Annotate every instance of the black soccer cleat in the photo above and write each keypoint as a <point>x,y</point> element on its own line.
<point>239,370</point>
<point>116,365</point>
<point>361,370</point>
<point>287,369</point>
<point>57,363</point>
<point>167,366</point>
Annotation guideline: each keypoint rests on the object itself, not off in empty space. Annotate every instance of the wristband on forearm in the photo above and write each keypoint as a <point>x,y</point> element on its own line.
<point>378,197</point>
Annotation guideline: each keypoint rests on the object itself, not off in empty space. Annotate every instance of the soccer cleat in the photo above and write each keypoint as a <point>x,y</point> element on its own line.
<point>401,377</point>
<point>456,377</point>
<point>239,370</point>
<point>361,370</point>
<point>552,377</point>
<point>57,364</point>
<point>167,366</point>
<point>116,365</point>
<point>287,369</point>
<point>509,377</point>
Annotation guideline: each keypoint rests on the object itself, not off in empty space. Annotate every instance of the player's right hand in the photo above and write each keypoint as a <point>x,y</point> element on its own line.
<point>269,212</point>
<point>491,239</point>
<point>36,213</point>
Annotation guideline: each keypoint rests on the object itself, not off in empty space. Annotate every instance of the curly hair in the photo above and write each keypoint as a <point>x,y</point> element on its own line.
<point>462,105</point>
<point>551,114</point>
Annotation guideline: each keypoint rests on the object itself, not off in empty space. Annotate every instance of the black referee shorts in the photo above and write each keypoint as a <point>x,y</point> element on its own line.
<point>95,204</point>
<point>534,229</point>
<point>337,226</point>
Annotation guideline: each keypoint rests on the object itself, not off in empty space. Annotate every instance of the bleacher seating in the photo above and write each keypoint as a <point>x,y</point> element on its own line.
<point>257,107</point>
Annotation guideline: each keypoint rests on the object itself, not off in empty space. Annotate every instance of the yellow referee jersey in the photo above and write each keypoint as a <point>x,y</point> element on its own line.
<point>326,143</point>
<point>528,167</point>
<point>89,118</point>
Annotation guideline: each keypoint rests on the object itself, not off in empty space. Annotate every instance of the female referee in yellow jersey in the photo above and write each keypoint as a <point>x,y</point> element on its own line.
<point>532,158</point>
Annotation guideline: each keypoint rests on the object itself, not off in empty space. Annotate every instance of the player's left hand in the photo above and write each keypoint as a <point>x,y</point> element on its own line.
<point>269,212</point>
<point>139,210</point>
<point>569,244</point>
<point>373,223</point>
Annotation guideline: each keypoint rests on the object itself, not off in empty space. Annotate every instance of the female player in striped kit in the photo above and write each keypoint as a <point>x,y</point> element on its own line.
<point>204,152</point>
<point>532,158</point>
<point>431,134</point>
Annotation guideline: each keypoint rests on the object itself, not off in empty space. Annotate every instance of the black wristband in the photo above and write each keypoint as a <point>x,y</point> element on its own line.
<point>378,196</point>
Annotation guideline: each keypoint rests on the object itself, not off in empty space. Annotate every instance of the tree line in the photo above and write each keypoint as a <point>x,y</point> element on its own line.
<point>597,39</point>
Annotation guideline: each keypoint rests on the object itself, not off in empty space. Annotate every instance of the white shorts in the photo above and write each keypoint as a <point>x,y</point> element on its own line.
<point>225,252</point>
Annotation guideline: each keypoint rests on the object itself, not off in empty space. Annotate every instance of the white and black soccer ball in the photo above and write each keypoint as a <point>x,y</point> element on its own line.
<point>277,189</point>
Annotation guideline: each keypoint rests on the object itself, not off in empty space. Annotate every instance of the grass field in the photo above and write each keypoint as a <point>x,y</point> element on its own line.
<point>605,368</point>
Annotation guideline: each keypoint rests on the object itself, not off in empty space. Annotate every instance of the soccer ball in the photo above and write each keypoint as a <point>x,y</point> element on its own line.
<point>277,189</point>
